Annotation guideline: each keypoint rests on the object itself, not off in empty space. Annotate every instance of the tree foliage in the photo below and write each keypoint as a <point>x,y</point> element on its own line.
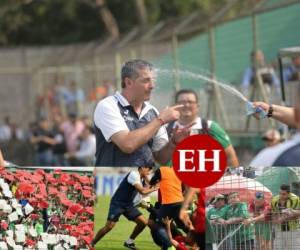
<point>38,22</point>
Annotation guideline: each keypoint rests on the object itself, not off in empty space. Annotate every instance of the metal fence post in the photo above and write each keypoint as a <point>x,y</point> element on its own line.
<point>118,70</point>
<point>175,62</point>
<point>216,96</point>
<point>132,53</point>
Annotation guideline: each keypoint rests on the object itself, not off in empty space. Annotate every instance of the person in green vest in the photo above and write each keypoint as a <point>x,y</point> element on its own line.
<point>218,210</point>
<point>214,214</point>
<point>287,232</point>
<point>241,236</point>
<point>210,239</point>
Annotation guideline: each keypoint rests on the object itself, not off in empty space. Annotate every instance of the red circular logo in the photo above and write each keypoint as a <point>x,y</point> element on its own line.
<point>199,161</point>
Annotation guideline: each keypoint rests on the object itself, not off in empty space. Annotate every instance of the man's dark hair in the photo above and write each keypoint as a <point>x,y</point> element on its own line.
<point>186,91</point>
<point>130,69</point>
<point>285,187</point>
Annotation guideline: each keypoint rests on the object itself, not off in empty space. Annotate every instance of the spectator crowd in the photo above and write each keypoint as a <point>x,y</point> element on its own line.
<point>256,223</point>
<point>62,134</point>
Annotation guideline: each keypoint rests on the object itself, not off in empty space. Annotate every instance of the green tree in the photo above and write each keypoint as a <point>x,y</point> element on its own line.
<point>35,22</point>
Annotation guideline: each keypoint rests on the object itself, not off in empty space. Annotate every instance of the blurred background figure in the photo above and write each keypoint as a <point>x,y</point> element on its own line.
<point>74,98</point>
<point>271,137</point>
<point>43,139</point>
<point>98,92</point>
<point>10,131</point>
<point>266,72</point>
<point>85,155</point>
<point>87,121</point>
<point>72,129</point>
<point>5,129</point>
<point>60,147</point>
<point>292,71</point>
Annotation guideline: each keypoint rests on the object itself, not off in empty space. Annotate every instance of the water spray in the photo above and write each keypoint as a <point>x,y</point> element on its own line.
<point>250,108</point>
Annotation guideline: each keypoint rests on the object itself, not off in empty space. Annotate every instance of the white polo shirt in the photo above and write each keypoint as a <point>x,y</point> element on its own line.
<point>108,119</point>
<point>114,114</point>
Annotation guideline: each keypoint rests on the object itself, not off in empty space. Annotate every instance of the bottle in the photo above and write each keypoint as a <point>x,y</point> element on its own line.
<point>251,110</point>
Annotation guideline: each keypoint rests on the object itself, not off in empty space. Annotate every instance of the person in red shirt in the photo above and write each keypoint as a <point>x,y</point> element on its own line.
<point>181,242</point>
<point>197,222</point>
<point>261,214</point>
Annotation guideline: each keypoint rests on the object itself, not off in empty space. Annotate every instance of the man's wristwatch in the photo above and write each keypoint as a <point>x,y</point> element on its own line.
<point>270,111</point>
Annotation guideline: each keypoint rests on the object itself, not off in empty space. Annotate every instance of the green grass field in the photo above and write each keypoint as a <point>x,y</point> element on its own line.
<point>114,239</point>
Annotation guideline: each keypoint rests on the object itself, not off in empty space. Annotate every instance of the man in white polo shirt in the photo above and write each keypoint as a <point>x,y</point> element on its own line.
<point>129,130</point>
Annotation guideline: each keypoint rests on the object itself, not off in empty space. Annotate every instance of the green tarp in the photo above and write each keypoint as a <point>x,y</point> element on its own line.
<point>275,176</point>
<point>277,29</point>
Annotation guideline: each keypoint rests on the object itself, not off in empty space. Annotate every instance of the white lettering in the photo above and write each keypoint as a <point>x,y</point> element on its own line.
<point>183,160</point>
<point>215,160</point>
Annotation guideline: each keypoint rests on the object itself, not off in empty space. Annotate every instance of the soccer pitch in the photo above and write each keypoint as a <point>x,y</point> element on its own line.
<point>115,238</point>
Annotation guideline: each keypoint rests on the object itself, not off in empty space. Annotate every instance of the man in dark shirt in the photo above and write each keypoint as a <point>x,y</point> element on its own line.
<point>60,147</point>
<point>43,139</point>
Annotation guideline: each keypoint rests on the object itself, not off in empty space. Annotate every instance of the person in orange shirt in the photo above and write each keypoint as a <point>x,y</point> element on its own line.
<point>98,93</point>
<point>170,198</point>
<point>170,190</point>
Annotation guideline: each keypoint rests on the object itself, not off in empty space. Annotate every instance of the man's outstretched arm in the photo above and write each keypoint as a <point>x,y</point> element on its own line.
<point>280,113</point>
